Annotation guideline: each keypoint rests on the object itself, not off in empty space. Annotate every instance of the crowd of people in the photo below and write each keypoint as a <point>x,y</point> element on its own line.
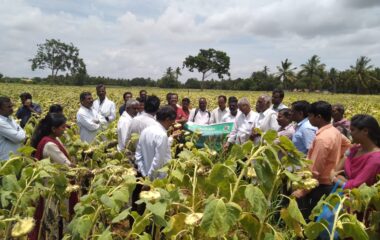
<point>342,151</point>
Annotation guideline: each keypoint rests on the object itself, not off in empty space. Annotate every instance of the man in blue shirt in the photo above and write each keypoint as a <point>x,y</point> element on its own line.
<point>25,111</point>
<point>305,132</point>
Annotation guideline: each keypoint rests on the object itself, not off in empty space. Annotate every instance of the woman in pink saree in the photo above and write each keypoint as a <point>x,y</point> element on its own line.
<point>362,164</point>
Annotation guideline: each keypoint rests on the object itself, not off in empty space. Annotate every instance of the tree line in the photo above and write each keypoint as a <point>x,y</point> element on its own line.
<point>313,75</point>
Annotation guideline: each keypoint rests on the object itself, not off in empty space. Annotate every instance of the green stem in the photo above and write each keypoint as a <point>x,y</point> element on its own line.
<point>336,217</point>
<point>194,185</point>
<point>44,211</point>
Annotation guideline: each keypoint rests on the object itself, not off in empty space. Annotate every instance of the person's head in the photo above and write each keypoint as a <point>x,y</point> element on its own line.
<point>365,127</point>
<point>86,99</point>
<point>6,106</point>
<point>168,95</point>
<point>284,117</point>
<point>54,125</point>
<point>300,110</point>
<point>233,105</point>
<point>320,113</point>
<point>173,100</point>
<point>277,96</point>
<point>55,108</point>
<point>337,112</point>
<point>127,96</point>
<point>202,103</point>
<point>152,104</point>
<point>141,104</point>
<point>25,97</point>
<point>166,116</point>
<point>132,107</point>
<point>101,91</point>
<point>185,103</point>
<point>143,94</point>
<point>244,105</point>
<point>263,103</point>
<point>222,100</point>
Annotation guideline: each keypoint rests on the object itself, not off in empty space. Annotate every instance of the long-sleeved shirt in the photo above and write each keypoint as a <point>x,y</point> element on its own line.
<point>278,108</point>
<point>89,122</point>
<point>287,131</point>
<point>229,117</point>
<point>106,108</point>
<point>304,135</point>
<point>25,113</point>
<point>153,151</point>
<point>11,137</point>
<point>52,151</point>
<point>202,117</point>
<point>266,120</point>
<point>122,130</point>
<point>326,150</point>
<point>242,128</point>
<point>217,115</point>
<point>139,123</point>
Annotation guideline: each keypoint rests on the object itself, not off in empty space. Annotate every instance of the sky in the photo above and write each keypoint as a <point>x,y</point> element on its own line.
<point>142,38</point>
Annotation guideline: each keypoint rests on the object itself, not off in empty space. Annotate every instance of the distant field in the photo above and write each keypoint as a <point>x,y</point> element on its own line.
<point>68,96</point>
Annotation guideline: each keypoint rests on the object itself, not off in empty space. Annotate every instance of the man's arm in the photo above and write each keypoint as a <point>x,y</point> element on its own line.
<point>162,156</point>
<point>87,123</point>
<point>139,161</point>
<point>14,135</point>
<point>112,115</point>
<point>319,156</point>
<point>308,136</point>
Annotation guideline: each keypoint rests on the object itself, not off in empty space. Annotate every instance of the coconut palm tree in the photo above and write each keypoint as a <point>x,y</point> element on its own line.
<point>361,73</point>
<point>313,71</point>
<point>285,73</point>
<point>177,73</point>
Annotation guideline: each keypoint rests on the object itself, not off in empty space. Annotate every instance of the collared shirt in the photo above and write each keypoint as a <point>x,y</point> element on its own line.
<point>304,135</point>
<point>287,131</point>
<point>242,128</point>
<point>25,113</point>
<point>11,137</point>
<point>122,130</point>
<point>153,151</point>
<point>217,115</point>
<point>52,151</point>
<point>266,120</point>
<point>122,109</point>
<point>180,114</point>
<point>202,117</point>
<point>343,126</point>
<point>89,122</point>
<point>326,150</point>
<point>139,123</point>
<point>106,108</point>
<point>278,108</point>
<point>229,117</point>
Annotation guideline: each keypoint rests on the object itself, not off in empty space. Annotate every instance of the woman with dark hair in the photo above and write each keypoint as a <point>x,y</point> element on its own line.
<point>46,141</point>
<point>362,164</point>
<point>55,108</point>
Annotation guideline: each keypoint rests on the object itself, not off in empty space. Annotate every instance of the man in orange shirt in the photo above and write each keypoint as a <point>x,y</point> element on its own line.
<point>326,150</point>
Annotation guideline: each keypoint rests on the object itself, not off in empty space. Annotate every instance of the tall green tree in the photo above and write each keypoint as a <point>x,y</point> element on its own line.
<point>361,73</point>
<point>332,79</point>
<point>208,62</point>
<point>169,80</point>
<point>58,56</point>
<point>312,72</point>
<point>286,74</point>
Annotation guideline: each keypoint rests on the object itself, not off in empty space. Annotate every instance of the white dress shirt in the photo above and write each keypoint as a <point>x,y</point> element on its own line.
<point>153,151</point>
<point>106,108</point>
<point>11,137</point>
<point>242,128</point>
<point>229,117</point>
<point>139,123</point>
<point>52,151</point>
<point>217,115</point>
<point>122,130</point>
<point>267,120</point>
<point>202,117</point>
<point>279,107</point>
<point>89,122</point>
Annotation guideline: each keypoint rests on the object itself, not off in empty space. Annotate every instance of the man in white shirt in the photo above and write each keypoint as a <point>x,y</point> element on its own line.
<point>131,107</point>
<point>266,118</point>
<point>243,124</point>
<point>218,113</point>
<point>233,110</point>
<point>146,118</point>
<point>103,105</point>
<point>200,115</point>
<point>88,119</point>
<point>277,97</point>
<point>11,134</point>
<point>153,148</point>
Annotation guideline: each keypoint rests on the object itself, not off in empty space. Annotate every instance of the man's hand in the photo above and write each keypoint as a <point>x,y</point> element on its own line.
<point>334,173</point>
<point>300,193</point>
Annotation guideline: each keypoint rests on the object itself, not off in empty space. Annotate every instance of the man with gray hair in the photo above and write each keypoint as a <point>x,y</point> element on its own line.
<point>266,118</point>
<point>131,107</point>
<point>243,124</point>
